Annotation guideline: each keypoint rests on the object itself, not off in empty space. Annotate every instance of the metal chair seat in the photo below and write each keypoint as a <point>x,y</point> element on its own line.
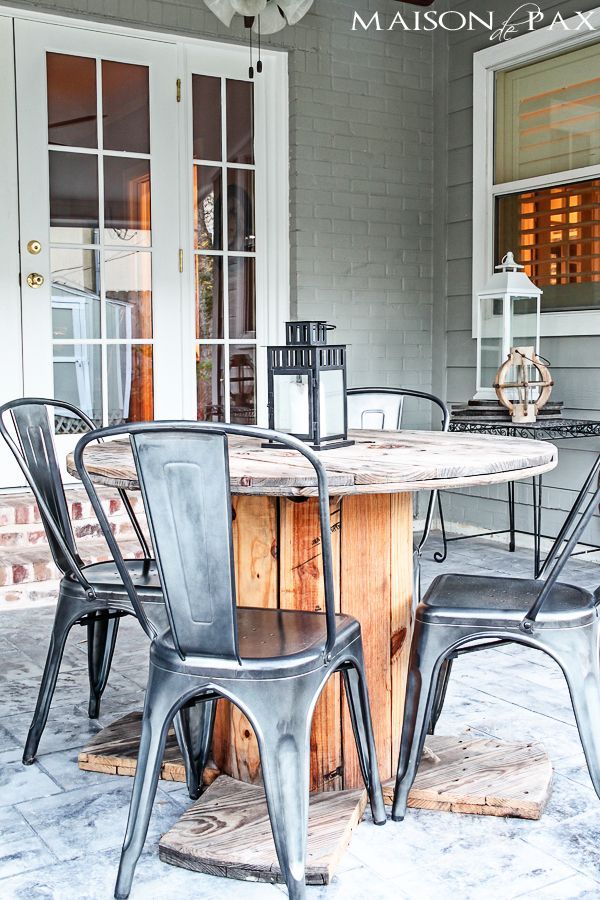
<point>291,640</point>
<point>489,600</point>
<point>107,583</point>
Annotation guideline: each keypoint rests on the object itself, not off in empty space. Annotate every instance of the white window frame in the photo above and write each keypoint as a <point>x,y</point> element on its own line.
<point>516,52</point>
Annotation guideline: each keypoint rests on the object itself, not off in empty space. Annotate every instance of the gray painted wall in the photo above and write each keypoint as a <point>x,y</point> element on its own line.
<point>575,361</point>
<point>361,158</point>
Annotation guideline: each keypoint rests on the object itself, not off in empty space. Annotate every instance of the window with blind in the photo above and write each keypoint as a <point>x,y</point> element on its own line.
<point>547,123</point>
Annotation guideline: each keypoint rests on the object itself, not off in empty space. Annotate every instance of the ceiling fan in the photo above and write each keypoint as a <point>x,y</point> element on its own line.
<point>269,16</point>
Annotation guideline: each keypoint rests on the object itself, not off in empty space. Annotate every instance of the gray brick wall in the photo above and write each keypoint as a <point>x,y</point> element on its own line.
<point>361,151</point>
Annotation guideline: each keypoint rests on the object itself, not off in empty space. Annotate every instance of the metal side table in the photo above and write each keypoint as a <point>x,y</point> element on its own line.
<point>556,429</point>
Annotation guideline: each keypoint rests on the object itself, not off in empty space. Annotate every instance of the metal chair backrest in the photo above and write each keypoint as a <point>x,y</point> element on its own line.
<point>183,472</point>
<point>35,453</point>
<point>382,408</point>
<point>573,527</point>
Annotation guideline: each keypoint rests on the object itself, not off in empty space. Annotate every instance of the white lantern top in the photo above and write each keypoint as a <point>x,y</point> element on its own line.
<point>510,280</point>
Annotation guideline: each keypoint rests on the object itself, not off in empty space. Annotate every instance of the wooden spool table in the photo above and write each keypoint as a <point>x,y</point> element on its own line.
<point>278,562</point>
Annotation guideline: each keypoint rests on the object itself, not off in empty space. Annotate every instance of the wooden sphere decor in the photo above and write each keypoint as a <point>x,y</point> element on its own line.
<point>523,360</point>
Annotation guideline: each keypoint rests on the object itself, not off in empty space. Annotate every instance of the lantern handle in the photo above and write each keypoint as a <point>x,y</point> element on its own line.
<point>509,263</point>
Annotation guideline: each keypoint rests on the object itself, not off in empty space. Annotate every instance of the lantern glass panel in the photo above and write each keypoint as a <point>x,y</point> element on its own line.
<point>523,322</point>
<point>291,403</point>
<point>492,329</point>
<point>331,402</point>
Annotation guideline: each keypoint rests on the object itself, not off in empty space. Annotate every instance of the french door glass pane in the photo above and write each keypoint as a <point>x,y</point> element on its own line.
<point>101,293</point>
<point>72,112</point>
<point>210,383</point>
<point>77,377</point>
<point>125,107</point>
<point>130,383</point>
<point>73,197</point>
<point>242,380</point>
<point>206,117</point>
<point>242,297</point>
<point>128,280</point>
<point>240,209</point>
<point>208,215</point>
<point>225,265</point>
<point>126,200</point>
<point>209,297</point>
<point>240,122</point>
<point>75,293</point>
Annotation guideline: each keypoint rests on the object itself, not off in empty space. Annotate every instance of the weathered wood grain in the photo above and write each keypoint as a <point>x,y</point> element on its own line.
<point>255,546</point>
<point>301,587</point>
<point>227,832</point>
<point>481,776</point>
<point>387,462</point>
<point>366,595</point>
<point>401,602</point>
<point>114,751</point>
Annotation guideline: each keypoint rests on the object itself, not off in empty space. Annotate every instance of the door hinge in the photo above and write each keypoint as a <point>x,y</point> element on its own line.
<point>179,90</point>
<point>181,260</point>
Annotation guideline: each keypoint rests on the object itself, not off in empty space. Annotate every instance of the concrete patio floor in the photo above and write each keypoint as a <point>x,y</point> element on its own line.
<point>61,829</point>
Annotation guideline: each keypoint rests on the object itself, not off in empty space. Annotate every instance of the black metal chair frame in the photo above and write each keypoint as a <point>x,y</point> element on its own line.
<point>551,616</point>
<point>183,471</point>
<point>88,595</point>
<point>435,496</point>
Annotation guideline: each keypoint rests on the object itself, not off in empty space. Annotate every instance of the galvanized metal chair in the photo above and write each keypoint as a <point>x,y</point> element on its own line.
<point>271,663</point>
<point>383,408</point>
<point>557,618</point>
<point>91,595</point>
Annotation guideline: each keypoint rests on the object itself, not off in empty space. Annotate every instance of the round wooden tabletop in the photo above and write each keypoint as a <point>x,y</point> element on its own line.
<point>380,462</point>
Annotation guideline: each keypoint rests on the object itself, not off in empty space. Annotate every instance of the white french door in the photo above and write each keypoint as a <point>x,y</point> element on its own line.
<point>144,180</point>
<point>98,178</point>
<point>235,161</point>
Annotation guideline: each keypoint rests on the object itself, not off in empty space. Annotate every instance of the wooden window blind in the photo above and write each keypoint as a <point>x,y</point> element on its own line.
<point>555,233</point>
<point>547,116</point>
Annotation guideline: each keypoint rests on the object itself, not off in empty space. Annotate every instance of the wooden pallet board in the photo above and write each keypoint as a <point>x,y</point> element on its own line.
<point>227,832</point>
<point>481,776</point>
<point>114,751</point>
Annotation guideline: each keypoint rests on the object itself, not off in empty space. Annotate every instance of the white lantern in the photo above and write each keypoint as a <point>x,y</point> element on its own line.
<point>508,316</point>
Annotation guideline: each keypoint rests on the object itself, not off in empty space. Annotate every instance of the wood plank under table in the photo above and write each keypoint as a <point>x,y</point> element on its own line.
<point>278,560</point>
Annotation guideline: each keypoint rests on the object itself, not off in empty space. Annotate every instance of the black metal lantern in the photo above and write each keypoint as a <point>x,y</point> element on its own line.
<point>307,386</point>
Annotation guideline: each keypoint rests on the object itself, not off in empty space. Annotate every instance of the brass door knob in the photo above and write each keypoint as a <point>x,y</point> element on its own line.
<point>34,247</point>
<point>35,280</point>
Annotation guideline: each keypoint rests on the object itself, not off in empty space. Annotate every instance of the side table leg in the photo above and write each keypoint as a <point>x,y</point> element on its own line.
<point>511,516</point>
<point>536,484</point>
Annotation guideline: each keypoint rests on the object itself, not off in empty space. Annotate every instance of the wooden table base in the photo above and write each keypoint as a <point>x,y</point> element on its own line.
<point>479,776</point>
<point>227,832</point>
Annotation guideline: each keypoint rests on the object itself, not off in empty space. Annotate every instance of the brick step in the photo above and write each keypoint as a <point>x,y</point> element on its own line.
<point>28,565</point>
<point>20,523</point>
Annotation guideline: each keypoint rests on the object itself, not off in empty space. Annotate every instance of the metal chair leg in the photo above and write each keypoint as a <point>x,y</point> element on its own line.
<point>101,639</point>
<point>194,729</point>
<point>63,622</point>
<point>426,660</point>
<point>578,653</point>
<point>360,716</point>
<point>440,693</point>
<point>282,725</point>
<point>163,694</point>
<point>416,597</point>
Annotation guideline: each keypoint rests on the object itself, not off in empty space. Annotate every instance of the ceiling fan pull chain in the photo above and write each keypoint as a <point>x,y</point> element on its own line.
<point>259,61</point>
